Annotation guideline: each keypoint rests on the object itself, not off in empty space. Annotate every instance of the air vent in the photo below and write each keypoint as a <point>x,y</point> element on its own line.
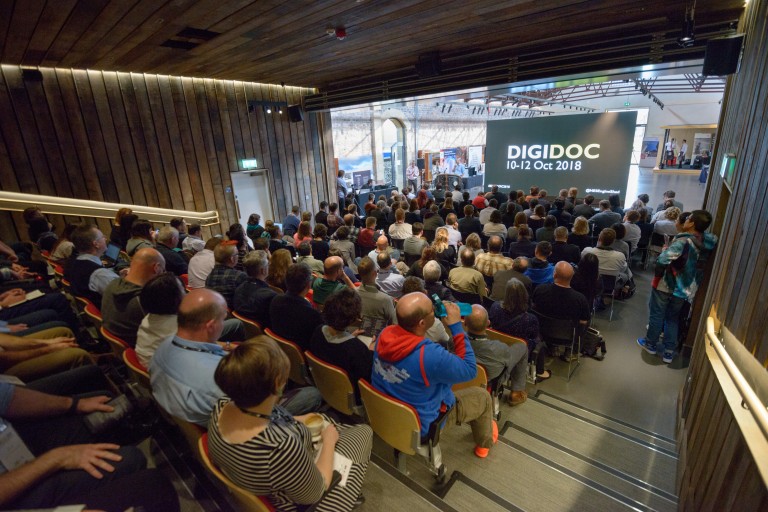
<point>197,33</point>
<point>181,45</point>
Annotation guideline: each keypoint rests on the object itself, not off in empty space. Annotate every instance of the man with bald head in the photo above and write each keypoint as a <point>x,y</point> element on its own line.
<point>559,300</point>
<point>120,308</point>
<point>420,372</point>
<point>334,278</point>
<point>382,245</point>
<point>499,359</point>
<point>488,263</point>
<point>181,371</point>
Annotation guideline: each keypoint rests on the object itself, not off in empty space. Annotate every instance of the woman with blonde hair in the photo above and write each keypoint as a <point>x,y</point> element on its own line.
<point>278,269</point>
<point>267,451</point>
<point>667,225</point>
<point>446,254</point>
<point>580,233</point>
<point>474,243</point>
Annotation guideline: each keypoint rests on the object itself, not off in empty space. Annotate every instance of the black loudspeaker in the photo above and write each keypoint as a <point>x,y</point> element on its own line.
<point>295,113</point>
<point>420,163</point>
<point>723,55</point>
<point>429,65</point>
<point>31,75</point>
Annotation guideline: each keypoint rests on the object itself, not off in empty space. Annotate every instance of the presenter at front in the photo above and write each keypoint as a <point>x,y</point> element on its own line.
<point>412,174</point>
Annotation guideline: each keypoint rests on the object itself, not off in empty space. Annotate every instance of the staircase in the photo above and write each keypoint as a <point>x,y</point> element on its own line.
<point>552,455</point>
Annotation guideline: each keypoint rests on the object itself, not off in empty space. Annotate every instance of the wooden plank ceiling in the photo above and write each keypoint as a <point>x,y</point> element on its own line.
<point>274,41</point>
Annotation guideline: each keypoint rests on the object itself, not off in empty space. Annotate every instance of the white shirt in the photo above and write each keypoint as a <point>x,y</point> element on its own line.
<point>412,172</point>
<point>390,283</point>
<point>684,148</point>
<point>485,215</point>
<point>400,231</point>
<point>457,196</point>
<point>200,266</point>
<point>193,243</point>
<point>454,237</point>
<point>154,329</point>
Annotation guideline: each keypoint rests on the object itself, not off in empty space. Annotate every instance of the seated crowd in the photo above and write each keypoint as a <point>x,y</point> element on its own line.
<point>368,294</point>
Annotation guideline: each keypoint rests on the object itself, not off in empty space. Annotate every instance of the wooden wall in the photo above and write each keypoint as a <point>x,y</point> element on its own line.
<point>716,471</point>
<point>154,140</point>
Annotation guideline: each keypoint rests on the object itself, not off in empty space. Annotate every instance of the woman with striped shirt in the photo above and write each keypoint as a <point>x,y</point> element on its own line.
<point>265,450</point>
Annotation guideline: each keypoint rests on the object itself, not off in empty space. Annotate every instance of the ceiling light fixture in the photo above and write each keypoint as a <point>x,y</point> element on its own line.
<point>688,36</point>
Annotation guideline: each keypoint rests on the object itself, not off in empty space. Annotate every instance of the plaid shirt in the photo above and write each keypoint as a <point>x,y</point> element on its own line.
<point>225,280</point>
<point>488,263</point>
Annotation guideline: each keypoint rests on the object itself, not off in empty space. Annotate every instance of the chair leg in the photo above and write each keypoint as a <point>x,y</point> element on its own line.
<point>610,315</point>
<point>400,462</point>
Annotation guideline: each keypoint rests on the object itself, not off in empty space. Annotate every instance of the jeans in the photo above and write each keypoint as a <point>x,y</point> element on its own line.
<point>24,313</point>
<point>302,400</point>
<point>664,314</point>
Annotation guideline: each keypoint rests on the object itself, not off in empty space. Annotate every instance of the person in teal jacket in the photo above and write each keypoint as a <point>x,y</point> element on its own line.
<point>679,271</point>
<point>420,372</point>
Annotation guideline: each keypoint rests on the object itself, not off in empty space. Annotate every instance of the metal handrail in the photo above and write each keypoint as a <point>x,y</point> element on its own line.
<point>17,201</point>
<point>749,397</point>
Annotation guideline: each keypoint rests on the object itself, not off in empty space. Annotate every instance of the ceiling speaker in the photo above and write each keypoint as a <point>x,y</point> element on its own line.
<point>429,65</point>
<point>723,55</point>
<point>295,113</point>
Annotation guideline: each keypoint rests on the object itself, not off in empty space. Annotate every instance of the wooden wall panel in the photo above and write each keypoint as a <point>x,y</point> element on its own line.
<point>717,469</point>
<point>153,140</point>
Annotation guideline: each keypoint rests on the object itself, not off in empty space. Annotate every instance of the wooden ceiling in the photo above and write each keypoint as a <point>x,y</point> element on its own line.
<point>276,41</point>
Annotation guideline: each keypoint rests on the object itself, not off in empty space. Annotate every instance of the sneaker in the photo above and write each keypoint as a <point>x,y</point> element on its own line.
<point>483,452</point>
<point>643,343</point>
<point>668,357</point>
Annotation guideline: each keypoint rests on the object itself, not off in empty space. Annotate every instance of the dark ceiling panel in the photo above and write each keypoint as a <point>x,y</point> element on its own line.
<point>275,41</point>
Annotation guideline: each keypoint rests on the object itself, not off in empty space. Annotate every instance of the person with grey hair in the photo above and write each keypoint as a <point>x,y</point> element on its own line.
<point>465,278</point>
<point>432,272</point>
<point>167,241</point>
<point>501,361</point>
<point>253,297</point>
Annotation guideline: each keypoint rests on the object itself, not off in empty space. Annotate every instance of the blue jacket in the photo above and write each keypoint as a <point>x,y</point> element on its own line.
<point>420,372</point>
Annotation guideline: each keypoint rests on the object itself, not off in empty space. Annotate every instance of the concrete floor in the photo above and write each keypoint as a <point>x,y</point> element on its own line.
<point>629,384</point>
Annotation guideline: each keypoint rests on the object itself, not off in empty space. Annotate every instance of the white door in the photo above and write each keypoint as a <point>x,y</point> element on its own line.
<point>252,195</point>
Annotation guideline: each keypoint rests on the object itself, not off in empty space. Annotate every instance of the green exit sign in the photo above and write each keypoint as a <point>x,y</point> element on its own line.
<point>626,103</point>
<point>249,164</point>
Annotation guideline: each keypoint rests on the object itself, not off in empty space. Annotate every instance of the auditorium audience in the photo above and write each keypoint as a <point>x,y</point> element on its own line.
<point>251,420</point>
<point>469,223</point>
<point>121,310</point>
<point>612,262</point>
<point>118,235</point>
<point>619,244</point>
<point>202,263</point>
<point>494,225</point>
<point>159,299</point>
<point>194,239</point>
<point>336,340</point>
<point>579,235</point>
<point>86,273</point>
<point>291,221</point>
<point>333,279</point>
<point>252,228</point>
<point>540,270</point>
<point>347,248</point>
<point>319,242</point>
<point>304,255</point>
<point>523,246</point>
<point>605,218</point>
<point>585,209</point>
<point>286,308</point>
<point>667,224</point>
<point>378,309</point>
<point>465,278</point>
<point>237,233</point>
<point>520,218</point>
<point>167,242</point>
<point>388,279</point>
<point>492,261</point>
<point>500,278</point>
<point>253,297</point>
<point>546,233</point>
<point>224,278</point>
<point>182,369</point>
<point>180,225</point>
<point>278,269</point>
<point>562,250</point>
<point>445,253</point>
<point>433,284</point>
<point>142,236</point>
<point>501,361</point>
<point>633,231</point>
